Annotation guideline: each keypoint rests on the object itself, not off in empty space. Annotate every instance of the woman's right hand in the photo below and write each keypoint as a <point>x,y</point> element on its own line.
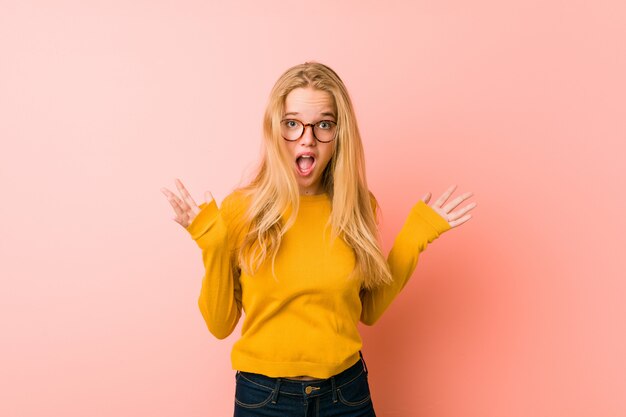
<point>185,207</point>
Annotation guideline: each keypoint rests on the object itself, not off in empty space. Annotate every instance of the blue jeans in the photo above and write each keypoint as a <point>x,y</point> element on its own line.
<point>346,394</point>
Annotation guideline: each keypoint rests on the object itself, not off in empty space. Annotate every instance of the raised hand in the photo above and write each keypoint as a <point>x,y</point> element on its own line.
<point>185,207</point>
<point>454,218</point>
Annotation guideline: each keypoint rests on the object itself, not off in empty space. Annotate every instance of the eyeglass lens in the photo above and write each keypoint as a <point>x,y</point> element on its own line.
<point>324,130</point>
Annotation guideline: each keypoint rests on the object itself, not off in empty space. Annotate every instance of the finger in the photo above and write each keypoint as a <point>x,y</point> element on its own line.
<point>175,202</point>
<point>172,198</point>
<point>189,205</point>
<point>441,200</point>
<point>452,204</point>
<point>456,223</point>
<point>188,200</point>
<point>208,197</point>
<point>426,197</point>
<point>456,214</point>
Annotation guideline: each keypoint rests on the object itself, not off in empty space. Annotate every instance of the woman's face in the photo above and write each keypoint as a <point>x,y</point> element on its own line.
<point>309,105</point>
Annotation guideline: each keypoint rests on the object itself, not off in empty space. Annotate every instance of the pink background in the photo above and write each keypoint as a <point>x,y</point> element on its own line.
<point>519,312</point>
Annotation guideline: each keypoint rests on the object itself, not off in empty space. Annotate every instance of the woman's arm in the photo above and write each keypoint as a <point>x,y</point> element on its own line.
<point>220,294</point>
<point>422,227</point>
<point>424,224</point>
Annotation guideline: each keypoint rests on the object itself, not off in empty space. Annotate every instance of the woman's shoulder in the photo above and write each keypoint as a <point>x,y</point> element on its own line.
<point>236,198</point>
<point>235,204</point>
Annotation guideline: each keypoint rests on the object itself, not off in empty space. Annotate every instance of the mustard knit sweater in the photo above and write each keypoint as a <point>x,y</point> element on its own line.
<point>305,322</point>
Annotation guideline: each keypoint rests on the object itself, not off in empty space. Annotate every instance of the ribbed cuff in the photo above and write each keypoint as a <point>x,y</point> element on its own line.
<point>203,220</point>
<point>423,225</point>
<point>426,212</point>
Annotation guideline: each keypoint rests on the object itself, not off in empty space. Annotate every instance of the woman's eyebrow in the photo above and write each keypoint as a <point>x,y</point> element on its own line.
<point>295,113</point>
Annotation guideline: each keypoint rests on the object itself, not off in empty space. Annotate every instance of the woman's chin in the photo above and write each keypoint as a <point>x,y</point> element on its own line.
<point>307,182</point>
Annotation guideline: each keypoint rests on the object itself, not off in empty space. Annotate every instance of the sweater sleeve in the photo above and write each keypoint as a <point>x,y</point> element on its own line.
<point>220,294</point>
<point>422,227</point>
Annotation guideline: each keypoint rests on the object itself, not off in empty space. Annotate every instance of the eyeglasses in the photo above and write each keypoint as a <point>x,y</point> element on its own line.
<point>324,131</point>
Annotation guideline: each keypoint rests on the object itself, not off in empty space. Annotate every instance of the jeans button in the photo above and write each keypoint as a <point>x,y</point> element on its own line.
<point>310,389</point>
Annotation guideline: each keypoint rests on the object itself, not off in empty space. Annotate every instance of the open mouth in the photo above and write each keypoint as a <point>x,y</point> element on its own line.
<point>305,164</point>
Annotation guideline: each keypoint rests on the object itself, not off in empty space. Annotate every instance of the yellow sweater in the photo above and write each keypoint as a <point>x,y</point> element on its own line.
<point>306,322</point>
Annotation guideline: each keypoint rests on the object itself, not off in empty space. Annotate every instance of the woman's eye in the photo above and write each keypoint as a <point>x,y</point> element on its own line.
<point>291,123</point>
<point>324,125</point>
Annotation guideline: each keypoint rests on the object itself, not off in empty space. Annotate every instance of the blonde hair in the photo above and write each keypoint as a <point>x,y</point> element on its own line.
<point>274,192</point>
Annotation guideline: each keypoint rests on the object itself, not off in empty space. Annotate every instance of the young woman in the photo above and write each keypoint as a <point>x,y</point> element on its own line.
<point>298,249</point>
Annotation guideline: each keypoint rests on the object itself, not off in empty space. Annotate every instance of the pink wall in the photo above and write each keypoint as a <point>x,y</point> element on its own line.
<point>517,313</point>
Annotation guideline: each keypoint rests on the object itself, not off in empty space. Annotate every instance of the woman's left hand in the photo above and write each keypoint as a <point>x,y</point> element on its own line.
<point>454,218</point>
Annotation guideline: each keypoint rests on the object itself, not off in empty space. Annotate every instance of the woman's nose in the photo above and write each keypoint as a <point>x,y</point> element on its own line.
<point>307,136</point>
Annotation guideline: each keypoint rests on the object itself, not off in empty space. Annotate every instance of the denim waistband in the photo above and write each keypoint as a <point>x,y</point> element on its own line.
<point>307,389</point>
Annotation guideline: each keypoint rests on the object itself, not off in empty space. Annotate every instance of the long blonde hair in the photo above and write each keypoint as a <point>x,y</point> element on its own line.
<point>274,192</point>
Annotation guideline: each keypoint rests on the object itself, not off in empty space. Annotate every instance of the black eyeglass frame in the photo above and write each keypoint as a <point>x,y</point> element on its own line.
<point>304,126</point>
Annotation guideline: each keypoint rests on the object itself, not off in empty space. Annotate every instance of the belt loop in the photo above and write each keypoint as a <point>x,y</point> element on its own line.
<point>363,360</point>
<point>276,389</point>
<point>332,381</point>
